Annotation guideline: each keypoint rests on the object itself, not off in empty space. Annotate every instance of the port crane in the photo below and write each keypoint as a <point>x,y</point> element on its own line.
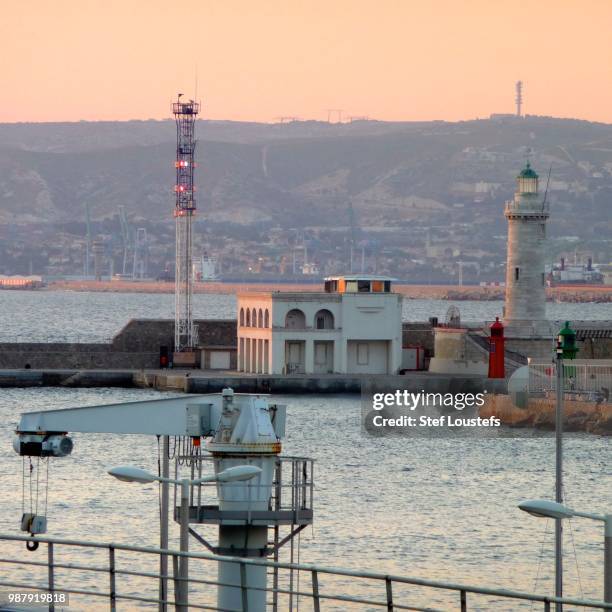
<point>236,429</point>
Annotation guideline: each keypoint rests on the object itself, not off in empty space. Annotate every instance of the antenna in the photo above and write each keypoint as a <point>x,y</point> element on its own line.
<point>519,97</point>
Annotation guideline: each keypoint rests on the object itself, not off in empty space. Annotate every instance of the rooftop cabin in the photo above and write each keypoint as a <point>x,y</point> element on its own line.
<point>358,284</point>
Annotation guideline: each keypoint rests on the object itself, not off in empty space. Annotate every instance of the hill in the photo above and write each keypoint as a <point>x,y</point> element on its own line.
<point>408,188</point>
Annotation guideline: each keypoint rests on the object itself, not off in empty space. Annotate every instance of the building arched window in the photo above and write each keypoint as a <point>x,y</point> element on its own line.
<point>295,319</point>
<point>324,319</point>
<point>260,321</point>
<point>267,319</point>
<point>248,318</point>
<point>242,317</point>
<point>254,318</point>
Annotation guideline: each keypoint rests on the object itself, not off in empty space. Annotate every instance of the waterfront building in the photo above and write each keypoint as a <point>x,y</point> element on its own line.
<point>354,326</point>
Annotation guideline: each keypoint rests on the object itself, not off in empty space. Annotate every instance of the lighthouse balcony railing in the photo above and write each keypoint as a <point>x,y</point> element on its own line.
<point>535,208</point>
<point>107,575</point>
<point>290,503</point>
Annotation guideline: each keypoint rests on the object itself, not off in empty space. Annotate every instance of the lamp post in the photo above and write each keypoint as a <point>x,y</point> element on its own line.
<point>549,509</point>
<point>565,349</point>
<point>231,474</point>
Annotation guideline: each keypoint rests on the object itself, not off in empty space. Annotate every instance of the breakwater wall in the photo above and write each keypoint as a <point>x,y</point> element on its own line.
<point>195,382</point>
<point>137,346</point>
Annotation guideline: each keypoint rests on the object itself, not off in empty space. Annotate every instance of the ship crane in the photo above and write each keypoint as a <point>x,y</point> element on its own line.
<point>238,429</point>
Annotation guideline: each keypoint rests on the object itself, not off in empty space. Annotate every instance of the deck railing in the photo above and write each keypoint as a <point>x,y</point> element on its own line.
<point>383,591</point>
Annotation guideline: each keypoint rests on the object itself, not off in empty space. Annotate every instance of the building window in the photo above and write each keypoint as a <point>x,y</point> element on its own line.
<point>362,353</point>
<point>295,319</point>
<point>324,319</point>
<point>267,319</point>
<point>516,274</point>
<point>254,318</point>
<point>242,317</point>
<point>248,318</point>
<point>331,286</point>
<point>260,321</point>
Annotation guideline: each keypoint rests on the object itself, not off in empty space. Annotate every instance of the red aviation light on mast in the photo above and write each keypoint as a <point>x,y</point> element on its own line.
<point>185,332</point>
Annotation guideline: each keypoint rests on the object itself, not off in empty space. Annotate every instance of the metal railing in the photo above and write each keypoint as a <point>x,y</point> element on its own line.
<point>54,338</point>
<point>385,591</point>
<point>582,381</point>
<point>292,485</point>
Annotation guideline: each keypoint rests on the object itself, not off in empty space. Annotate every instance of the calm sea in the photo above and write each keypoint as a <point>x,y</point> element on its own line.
<point>434,508</point>
<point>92,316</point>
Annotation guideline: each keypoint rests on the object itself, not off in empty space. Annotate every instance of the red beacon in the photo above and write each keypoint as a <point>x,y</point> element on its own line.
<point>496,350</point>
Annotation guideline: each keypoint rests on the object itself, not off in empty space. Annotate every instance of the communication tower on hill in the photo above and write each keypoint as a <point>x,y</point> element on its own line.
<point>519,98</point>
<point>185,333</point>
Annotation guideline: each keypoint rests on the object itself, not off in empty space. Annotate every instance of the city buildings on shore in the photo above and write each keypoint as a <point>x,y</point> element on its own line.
<point>354,326</point>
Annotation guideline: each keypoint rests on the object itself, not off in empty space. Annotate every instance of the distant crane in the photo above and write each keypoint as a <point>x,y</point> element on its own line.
<point>99,250</point>
<point>354,229</point>
<point>141,255</point>
<point>125,237</point>
<point>460,264</point>
<point>87,239</point>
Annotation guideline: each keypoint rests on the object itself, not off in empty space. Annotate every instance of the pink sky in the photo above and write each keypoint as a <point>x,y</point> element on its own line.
<point>66,60</point>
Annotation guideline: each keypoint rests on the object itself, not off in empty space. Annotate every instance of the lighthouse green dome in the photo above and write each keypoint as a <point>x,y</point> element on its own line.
<point>528,172</point>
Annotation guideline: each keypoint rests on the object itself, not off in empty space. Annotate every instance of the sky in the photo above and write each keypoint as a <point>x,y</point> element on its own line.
<point>257,60</point>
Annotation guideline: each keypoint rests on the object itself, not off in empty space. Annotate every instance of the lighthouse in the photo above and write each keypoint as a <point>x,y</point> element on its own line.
<point>527,214</point>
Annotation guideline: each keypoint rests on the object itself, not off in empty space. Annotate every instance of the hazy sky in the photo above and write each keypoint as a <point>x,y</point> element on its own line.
<point>65,60</point>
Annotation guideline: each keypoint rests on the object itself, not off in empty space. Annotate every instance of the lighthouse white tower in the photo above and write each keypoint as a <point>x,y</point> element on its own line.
<point>527,214</point>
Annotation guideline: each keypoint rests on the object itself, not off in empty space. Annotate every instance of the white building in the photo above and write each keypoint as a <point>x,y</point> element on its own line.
<point>527,214</point>
<point>354,326</point>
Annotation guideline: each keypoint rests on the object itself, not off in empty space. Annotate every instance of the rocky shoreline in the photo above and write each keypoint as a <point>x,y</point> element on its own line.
<point>589,417</point>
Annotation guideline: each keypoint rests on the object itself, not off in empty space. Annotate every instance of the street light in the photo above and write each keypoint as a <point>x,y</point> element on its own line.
<point>565,349</point>
<point>231,474</point>
<point>550,509</point>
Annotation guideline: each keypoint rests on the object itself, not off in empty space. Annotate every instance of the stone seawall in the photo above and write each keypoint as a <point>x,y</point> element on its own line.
<point>136,346</point>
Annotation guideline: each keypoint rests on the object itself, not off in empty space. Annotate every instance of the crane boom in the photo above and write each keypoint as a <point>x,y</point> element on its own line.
<point>194,415</point>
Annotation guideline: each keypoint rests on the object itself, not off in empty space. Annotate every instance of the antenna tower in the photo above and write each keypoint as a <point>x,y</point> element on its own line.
<point>519,97</point>
<point>185,333</point>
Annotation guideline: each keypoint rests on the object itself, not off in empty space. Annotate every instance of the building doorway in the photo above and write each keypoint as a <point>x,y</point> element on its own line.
<point>295,353</point>
<point>324,357</point>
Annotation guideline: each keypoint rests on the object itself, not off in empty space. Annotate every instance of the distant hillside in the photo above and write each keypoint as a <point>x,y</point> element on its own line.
<point>306,174</point>
<point>250,172</point>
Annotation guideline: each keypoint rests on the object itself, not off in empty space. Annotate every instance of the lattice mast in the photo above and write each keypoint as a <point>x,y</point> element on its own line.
<point>519,98</point>
<point>185,113</point>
